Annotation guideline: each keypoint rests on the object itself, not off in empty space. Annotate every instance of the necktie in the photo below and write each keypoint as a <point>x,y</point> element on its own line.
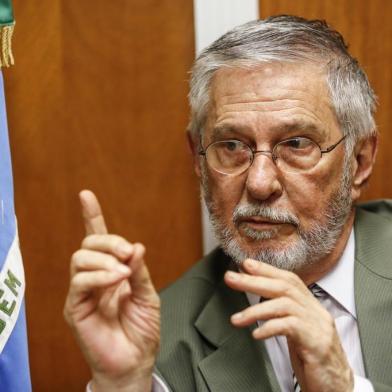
<point>317,291</point>
<point>319,294</point>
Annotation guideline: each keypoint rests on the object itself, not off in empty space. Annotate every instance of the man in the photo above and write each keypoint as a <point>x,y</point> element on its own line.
<point>299,296</point>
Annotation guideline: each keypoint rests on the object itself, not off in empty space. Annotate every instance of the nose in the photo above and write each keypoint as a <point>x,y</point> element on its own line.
<point>263,182</point>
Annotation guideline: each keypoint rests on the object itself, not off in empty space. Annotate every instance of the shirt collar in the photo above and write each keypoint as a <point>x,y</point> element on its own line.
<point>338,283</point>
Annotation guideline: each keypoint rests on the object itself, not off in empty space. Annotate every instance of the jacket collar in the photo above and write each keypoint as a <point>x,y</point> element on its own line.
<point>239,363</point>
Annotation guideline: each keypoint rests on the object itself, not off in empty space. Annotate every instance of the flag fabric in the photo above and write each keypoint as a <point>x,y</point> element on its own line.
<point>14,364</point>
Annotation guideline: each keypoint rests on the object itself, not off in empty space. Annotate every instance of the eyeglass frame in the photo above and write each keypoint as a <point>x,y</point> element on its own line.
<point>203,152</point>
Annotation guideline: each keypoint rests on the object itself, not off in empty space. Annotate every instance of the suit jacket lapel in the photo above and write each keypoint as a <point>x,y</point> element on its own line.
<point>239,363</point>
<point>373,293</point>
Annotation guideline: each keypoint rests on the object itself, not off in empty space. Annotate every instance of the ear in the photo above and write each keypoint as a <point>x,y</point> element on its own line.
<point>364,157</point>
<point>193,145</point>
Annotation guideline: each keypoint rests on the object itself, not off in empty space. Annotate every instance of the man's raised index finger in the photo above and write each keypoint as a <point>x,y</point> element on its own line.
<point>94,221</point>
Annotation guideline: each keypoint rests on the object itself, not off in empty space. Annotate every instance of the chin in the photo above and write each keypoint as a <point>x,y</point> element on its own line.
<point>292,256</point>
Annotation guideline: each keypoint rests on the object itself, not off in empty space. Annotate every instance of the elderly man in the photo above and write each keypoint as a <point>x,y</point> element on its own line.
<point>299,296</point>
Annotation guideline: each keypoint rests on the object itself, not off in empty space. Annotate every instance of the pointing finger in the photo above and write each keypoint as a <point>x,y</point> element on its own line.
<point>94,221</point>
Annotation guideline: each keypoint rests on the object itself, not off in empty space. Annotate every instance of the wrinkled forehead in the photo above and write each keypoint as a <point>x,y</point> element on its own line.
<point>270,81</point>
<point>273,93</point>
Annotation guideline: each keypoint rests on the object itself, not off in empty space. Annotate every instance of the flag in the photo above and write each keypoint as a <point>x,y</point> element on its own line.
<point>14,365</point>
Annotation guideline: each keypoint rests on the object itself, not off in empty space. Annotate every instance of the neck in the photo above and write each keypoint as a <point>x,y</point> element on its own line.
<point>317,270</point>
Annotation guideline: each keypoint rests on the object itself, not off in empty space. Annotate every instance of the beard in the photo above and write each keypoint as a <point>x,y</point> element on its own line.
<point>312,243</point>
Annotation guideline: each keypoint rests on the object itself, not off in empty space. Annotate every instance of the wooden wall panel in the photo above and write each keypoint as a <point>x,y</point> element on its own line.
<point>97,99</point>
<point>366,27</point>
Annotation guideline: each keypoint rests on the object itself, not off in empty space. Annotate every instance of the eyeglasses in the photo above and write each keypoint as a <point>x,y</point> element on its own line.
<point>233,157</point>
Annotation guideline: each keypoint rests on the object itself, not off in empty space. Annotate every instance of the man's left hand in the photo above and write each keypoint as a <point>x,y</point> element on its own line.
<point>291,310</point>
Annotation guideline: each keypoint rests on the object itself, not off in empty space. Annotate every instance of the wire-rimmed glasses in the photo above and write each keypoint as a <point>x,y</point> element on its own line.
<point>233,157</point>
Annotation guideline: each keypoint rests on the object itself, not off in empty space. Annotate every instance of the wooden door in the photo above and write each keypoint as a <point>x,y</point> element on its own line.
<point>366,27</point>
<point>97,99</point>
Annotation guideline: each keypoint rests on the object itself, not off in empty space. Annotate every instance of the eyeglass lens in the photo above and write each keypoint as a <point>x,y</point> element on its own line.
<point>234,156</point>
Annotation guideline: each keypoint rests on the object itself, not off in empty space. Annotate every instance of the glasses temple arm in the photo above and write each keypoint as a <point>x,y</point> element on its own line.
<point>330,148</point>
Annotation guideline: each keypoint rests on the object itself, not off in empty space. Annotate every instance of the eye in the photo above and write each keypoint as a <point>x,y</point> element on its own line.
<point>299,143</point>
<point>232,145</point>
<point>233,151</point>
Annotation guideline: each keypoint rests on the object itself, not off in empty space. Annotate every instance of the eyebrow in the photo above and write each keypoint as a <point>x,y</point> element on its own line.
<point>301,126</point>
<point>220,131</point>
<point>285,127</point>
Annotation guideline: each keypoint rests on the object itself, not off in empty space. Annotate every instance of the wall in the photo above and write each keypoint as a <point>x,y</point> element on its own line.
<point>97,99</point>
<point>366,27</point>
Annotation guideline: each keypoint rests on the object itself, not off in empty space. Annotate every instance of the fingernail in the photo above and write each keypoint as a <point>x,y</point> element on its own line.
<point>125,249</point>
<point>122,268</point>
<point>232,276</point>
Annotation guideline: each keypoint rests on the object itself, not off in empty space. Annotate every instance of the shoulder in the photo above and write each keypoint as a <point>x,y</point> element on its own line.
<point>374,216</point>
<point>382,208</point>
<point>373,236</point>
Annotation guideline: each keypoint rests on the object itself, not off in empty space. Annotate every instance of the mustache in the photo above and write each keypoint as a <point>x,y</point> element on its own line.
<point>273,214</point>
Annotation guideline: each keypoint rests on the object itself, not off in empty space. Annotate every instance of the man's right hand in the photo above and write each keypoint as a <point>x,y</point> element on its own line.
<point>112,306</point>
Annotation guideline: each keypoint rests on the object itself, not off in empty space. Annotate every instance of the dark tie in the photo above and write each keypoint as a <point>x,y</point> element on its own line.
<point>318,293</point>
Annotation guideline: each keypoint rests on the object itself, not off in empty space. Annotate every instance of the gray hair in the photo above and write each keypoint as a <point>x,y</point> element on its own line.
<point>287,38</point>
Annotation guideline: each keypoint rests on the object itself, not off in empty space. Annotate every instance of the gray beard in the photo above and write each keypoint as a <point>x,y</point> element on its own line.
<point>312,245</point>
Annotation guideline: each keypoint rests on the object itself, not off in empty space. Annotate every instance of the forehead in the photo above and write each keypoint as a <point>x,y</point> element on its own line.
<point>271,96</point>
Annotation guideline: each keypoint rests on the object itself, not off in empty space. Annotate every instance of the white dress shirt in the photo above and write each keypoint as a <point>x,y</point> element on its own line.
<point>340,302</point>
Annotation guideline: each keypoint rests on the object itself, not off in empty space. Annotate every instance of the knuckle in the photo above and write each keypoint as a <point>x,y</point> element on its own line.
<point>115,243</point>
<point>285,288</point>
<point>73,284</point>
<point>140,246</point>
<point>115,239</point>
<point>286,303</point>
<point>289,290</point>
<point>89,241</point>
<point>109,261</point>
<point>76,260</point>
<point>76,282</point>
<point>294,279</point>
<point>290,325</point>
<point>76,257</point>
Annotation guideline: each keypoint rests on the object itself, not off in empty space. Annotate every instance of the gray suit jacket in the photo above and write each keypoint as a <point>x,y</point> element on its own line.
<point>202,351</point>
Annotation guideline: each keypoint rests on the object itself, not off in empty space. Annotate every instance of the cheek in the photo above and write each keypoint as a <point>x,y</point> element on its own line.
<point>225,192</point>
<point>310,194</point>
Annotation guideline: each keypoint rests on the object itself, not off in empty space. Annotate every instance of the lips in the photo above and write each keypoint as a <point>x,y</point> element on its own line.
<point>261,216</point>
<point>256,220</point>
